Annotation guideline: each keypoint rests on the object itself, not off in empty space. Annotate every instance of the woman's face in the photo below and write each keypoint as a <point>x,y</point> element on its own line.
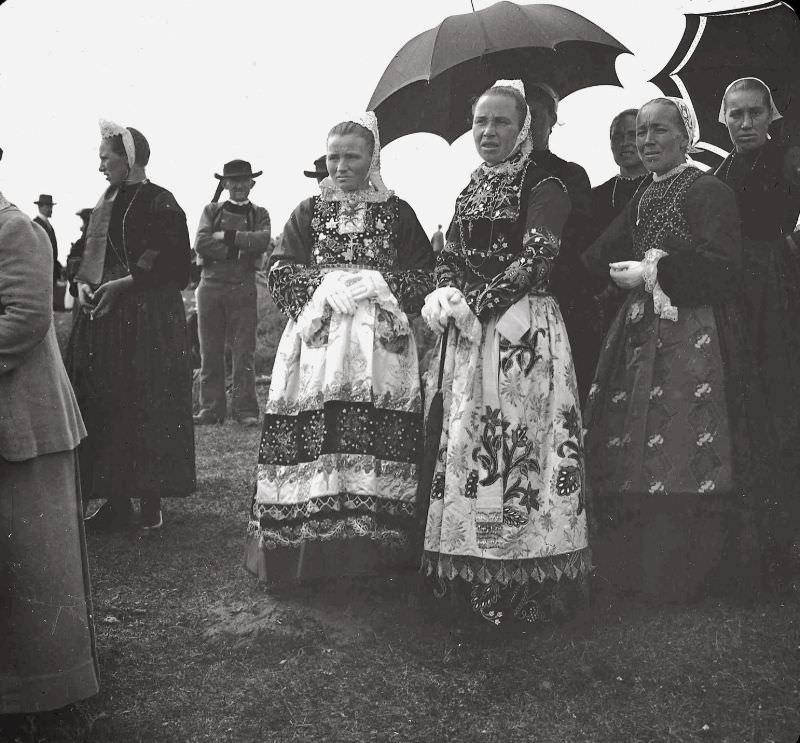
<point>348,160</point>
<point>661,137</point>
<point>112,165</point>
<point>747,118</point>
<point>623,142</point>
<point>495,126</point>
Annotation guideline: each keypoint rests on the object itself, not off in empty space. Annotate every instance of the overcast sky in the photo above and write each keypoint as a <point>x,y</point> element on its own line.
<point>211,81</point>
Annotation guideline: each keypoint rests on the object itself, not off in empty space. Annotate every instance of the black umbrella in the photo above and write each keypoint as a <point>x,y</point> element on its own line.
<point>431,82</point>
<point>717,48</point>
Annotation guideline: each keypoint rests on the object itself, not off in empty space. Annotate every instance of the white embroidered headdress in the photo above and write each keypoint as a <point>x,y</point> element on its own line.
<point>369,121</point>
<point>773,109</point>
<point>109,129</point>
<point>519,86</point>
<point>689,122</point>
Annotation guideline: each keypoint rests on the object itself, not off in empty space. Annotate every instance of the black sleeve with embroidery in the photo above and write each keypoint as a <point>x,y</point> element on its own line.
<point>292,280</point>
<point>450,267</point>
<point>547,209</point>
<point>292,286</point>
<point>530,272</point>
<point>411,279</point>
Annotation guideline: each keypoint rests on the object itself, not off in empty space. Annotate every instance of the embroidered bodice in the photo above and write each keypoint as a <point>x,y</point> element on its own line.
<point>355,233</point>
<point>659,212</point>
<point>322,234</point>
<point>496,250</point>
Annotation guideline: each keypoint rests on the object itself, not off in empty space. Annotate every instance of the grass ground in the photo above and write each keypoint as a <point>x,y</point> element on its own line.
<point>192,648</point>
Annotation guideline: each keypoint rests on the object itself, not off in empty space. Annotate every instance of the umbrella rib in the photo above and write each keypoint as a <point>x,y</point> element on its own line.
<point>692,47</point>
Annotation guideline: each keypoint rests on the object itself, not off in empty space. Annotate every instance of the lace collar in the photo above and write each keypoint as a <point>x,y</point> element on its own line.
<point>511,166</point>
<point>329,192</point>
<point>670,173</point>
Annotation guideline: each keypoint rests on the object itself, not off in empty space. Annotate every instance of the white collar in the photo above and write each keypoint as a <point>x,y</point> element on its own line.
<point>43,218</point>
<point>670,173</point>
<point>240,203</point>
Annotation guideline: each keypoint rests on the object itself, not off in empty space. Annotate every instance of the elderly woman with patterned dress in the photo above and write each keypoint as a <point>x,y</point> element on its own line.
<point>667,424</point>
<point>337,465</point>
<point>765,176</point>
<point>506,517</point>
<point>127,355</point>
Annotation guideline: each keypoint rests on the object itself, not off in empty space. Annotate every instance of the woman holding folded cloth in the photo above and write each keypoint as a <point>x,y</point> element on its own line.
<point>337,466</point>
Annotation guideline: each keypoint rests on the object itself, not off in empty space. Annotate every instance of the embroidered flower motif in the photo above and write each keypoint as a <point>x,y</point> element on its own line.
<point>655,440</point>
<point>705,438</point>
<point>706,486</point>
<point>619,396</point>
<point>656,392</point>
<point>702,340</point>
<point>702,390</point>
<point>657,487</point>
<point>379,224</point>
<point>636,311</point>
<point>331,224</point>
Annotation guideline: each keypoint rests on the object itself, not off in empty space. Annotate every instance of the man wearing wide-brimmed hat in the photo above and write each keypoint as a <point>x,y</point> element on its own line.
<point>320,171</point>
<point>231,239</point>
<point>45,203</point>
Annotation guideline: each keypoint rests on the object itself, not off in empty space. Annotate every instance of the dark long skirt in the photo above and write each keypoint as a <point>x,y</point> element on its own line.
<point>672,453</point>
<point>772,287</point>
<point>47,650</point>
<point>132,378</point>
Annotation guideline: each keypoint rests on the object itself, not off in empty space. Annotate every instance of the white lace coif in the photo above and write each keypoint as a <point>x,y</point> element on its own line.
<point>109,129</point>
<point>773,109</point>
<point>369,121</point>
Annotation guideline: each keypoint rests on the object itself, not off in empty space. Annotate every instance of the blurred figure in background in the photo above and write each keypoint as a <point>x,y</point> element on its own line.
<point>570,283</point>
<point>320,171</point>
<point>76,251</point>
<point>437,240</point>
<point>231,240</point>
<point>609,199</point>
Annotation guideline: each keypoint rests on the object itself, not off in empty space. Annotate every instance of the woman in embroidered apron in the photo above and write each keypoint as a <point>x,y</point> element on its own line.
<point>765,177</point>
<point>506,513</point>
<point>337,466</point>
<point>667,433</point>
<point>127,355</point>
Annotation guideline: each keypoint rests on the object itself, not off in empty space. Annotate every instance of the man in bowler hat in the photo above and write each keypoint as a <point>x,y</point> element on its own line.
<point>231,239</point>
<point>46,204</point>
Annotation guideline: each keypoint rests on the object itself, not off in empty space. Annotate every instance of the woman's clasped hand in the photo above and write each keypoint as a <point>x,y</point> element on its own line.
<point>442,304</point>
<point>342,291</point>
<point>627,274</point>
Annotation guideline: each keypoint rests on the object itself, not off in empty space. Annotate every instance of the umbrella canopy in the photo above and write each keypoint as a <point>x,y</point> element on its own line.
<point>431,82</point>
<point>717,48</point>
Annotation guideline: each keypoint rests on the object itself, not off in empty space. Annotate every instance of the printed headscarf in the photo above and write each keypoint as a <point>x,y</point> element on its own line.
<point>689,122</point>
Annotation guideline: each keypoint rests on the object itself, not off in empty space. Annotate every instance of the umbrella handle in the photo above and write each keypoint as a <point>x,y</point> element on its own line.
<point>441,356</point>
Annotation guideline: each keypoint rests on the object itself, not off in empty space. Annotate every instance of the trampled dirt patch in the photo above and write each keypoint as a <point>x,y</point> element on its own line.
<point>284,616</point>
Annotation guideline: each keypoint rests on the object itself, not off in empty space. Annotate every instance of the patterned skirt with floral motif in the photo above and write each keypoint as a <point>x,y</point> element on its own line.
<point>662,453</point>
<point>337,467</point>
<point>507,508</point>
